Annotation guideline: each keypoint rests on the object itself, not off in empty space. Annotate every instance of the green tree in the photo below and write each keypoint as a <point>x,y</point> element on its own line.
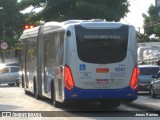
<point>151,22</point>
<point>142,37</point>
<point>11,21</point>
<point>59,10</point>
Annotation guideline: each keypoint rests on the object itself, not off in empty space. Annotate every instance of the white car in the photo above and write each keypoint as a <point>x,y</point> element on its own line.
<point>155,86</point>
<point>147,74</point>
<point>9,75</point>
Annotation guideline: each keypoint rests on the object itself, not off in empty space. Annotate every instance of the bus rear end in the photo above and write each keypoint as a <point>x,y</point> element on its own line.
<point>103,62</point>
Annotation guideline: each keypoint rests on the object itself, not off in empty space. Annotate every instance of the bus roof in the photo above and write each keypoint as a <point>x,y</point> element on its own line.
<point>30,32</point>
<point>85,23</point>
<point>58,25</point>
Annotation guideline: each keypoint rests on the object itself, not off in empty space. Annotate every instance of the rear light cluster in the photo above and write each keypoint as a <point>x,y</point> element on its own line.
<point>134,79</point>
<point>68,79</point>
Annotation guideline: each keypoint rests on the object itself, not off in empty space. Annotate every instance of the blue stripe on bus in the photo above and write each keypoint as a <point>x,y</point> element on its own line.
<point>77,93</point>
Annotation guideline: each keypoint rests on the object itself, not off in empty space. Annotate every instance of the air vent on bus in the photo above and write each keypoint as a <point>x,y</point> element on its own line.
<point>98,20</point>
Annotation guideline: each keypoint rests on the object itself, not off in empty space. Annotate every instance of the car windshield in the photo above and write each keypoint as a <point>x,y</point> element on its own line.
<point>149,71</point>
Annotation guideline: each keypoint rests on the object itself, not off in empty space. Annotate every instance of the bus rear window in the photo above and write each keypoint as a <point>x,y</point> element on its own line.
<point>101,46</point>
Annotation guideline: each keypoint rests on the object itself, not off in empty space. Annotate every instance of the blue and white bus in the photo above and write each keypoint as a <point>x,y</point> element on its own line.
<point>80,60</point>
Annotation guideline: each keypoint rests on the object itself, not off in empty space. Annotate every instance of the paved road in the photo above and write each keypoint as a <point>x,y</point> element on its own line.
<point>13,99</point>
<point>145,102</point>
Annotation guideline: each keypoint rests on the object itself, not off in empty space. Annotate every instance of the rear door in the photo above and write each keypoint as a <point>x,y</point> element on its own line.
<point>102,61</point>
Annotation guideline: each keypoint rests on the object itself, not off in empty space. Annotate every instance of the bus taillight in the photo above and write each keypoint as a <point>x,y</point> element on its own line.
<point>69,83</point>
<point>134,79</point>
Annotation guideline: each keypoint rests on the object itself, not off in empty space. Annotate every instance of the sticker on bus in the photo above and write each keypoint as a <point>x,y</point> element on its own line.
<point>102,81</point>
<point>102,70</point>
<point>86,75</point>
<point>82,67</point>
<point>117,74</point>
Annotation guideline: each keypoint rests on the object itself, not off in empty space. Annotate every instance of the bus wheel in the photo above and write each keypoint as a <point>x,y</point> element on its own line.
<point>22,83</point>
<point>26,92</point>
<point>35,90</point>
<point>17,83</point>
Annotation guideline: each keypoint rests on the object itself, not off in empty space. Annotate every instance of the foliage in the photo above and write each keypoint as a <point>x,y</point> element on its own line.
<point>59,10</point>
<point>151,22</point>
<point>142,37</point>
<point>11,21</point>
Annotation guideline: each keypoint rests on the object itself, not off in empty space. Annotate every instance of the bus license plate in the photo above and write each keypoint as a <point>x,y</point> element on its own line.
<point>102,81</point>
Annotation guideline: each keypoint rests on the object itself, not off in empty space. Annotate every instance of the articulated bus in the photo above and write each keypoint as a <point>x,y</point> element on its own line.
<point>80,60</point>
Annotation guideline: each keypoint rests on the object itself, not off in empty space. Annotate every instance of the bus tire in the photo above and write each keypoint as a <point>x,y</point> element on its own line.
<point>22,83</point>
<point>17,83</point>
<point>35,90</point>
<point>24,86</point>
<point>26,92</point>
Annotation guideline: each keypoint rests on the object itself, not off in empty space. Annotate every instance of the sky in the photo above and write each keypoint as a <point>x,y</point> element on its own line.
<point>137,8</point>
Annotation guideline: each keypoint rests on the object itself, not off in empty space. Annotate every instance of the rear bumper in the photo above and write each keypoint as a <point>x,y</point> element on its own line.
<point>144,87</point>
<point>10,81</point>
<point>101,94</point>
